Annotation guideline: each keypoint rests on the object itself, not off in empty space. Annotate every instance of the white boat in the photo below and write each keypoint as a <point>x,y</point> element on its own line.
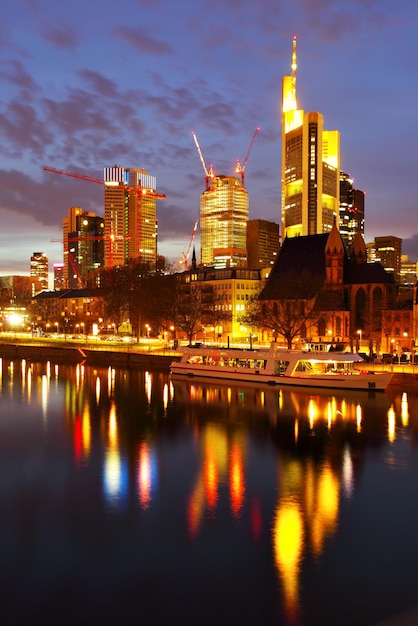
<point>278,366</point>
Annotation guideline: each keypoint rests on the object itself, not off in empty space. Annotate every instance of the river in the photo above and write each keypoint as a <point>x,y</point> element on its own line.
<point>130,498</point>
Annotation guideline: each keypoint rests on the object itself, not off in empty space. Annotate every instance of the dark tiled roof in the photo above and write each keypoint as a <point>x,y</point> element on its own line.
<point>302,257</point>
<point>366,273</point>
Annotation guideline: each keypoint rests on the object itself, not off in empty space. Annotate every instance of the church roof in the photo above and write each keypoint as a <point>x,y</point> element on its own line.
<point>366,273</point>
<point>300,271</point>
<point>298,256</point>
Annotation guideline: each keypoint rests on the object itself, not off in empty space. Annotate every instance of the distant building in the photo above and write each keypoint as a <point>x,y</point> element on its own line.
<point>223,222</point>
<point>351,214</point>
<point>130,216</point>
<point>59,280</point>
<point>39,269</point>
<point>263,243</point>
<point>19,289</point>
<point>85,248</point>
<point>408,272</point>
<point>387,250</point>
<point>310,167</point>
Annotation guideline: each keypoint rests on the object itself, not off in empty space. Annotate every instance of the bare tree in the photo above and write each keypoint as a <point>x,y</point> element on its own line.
<point>291,307</point>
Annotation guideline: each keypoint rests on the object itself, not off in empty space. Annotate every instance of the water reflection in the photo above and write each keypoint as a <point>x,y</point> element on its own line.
<point>278,463</point>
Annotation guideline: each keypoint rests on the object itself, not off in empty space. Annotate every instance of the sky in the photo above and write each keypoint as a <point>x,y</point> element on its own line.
<point>88,84</point>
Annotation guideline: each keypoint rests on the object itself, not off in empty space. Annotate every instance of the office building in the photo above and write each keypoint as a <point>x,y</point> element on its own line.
<point>387,251</point>
<point>263,243</point>
<point>59,280</point>
<point>408,272</point>
<point>85,249</point>
<point>310,166</point>
<point>351,213</point>
<point>223,222</point>
<point>39,269</point>
<point>130,216</point>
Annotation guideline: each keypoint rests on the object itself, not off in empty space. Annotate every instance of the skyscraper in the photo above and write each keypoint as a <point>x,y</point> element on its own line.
<point>130,215</point>
<point>310,166</point>
<point>85,248</point>
<point>263,243</point>
<point>39,268</point>
<point>388,252</point>
<point>223,222</point>
<point>351,209</point>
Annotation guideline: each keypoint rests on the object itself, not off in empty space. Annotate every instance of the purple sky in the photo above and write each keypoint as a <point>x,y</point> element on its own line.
<point>86,85</point>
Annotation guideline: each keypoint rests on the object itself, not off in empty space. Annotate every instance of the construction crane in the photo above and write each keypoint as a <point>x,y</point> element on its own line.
<point>73,263</point>
<point>139,191</point>
<point>240,169</point>
<point>185,256</point>
<point>209,173</point>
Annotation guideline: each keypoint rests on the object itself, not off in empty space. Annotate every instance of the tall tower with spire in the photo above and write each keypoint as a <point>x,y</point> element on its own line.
<point>310,166</point>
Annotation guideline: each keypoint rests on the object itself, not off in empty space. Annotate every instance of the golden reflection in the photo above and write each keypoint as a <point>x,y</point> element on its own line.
<point>48,370</point>
<point>23,368</point>
<point>288,538</point>
<point>324,521</point>
<point>44,396</point>
<point>404,410</point>
<point>236,479</point>
<point>144,475</point>
<point>347,473</point>
<point>359,417</point>
<point>391,424</point>
<point>296,430</point>
<point>113,427</point>
<point>165,397</point>
<point>112,472</point>
<point>312,412</point>
<point>148,386</point>
<point>97,390</point>
<point>86,431</point>
<point>29,387</point>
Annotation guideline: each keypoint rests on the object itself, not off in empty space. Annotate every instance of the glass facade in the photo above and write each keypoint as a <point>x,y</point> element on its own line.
<point>224,211</point>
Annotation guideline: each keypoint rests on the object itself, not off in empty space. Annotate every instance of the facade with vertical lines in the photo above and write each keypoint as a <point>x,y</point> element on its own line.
<point>130,215</point>
<point>310,167</point>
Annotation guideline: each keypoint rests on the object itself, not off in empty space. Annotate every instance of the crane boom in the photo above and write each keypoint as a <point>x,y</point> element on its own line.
<point>240,169</point>
<point>185,256</point>
<point>205,169</point>
<point>90,179</point>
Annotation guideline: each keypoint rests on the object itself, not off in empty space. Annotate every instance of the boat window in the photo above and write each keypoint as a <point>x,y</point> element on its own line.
<point>280,367</point>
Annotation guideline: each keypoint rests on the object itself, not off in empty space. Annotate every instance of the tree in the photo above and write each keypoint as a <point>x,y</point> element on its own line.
<point>291,308</point>
<point>190,309</point>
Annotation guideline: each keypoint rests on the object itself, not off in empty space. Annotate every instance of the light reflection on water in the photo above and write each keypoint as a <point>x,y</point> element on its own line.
<point>265,471</point>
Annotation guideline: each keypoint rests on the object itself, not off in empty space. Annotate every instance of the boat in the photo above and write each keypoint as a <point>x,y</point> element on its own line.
<point>280,366</point>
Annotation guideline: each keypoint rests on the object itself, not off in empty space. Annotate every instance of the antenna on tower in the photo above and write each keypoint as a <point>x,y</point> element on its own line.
<point>294,67</point>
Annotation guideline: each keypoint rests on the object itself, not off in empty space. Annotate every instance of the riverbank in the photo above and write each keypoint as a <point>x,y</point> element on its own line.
<point>95,355</point>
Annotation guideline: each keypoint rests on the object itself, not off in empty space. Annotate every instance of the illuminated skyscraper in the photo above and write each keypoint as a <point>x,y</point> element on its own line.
<point>39,268</point>
<point>223,222</point>
<point>310,166</point>
<point>351,209</point>
<point>130,215</point>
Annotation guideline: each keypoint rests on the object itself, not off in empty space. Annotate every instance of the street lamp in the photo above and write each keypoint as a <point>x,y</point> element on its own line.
<point>360,335</point>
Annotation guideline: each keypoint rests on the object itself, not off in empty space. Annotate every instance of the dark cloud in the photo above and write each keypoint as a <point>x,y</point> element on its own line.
<point>140,39</point>
<point>63,35</point>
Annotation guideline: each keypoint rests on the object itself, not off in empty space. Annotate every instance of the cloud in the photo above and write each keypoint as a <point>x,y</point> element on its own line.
<point>64,35</point>
<point>140,39</point>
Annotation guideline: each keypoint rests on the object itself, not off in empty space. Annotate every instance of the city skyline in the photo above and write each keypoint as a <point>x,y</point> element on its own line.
<point>81,91</point>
